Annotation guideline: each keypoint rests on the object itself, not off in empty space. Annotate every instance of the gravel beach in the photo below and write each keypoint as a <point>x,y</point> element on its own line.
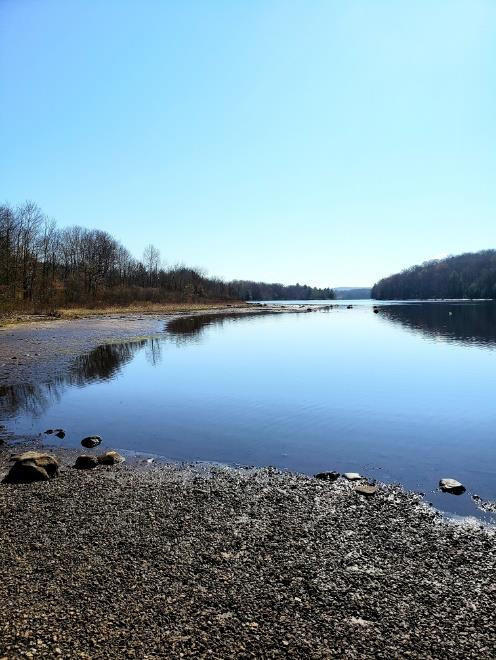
<point>157,560</point>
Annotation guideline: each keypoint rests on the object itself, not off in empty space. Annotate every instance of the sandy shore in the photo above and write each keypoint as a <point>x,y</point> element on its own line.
<point>154,561</point>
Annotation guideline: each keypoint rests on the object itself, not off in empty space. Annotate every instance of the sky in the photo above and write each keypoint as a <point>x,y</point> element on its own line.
<point>328,142</point>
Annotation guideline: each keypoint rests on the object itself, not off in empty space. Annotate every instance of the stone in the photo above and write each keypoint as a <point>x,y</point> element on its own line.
<point>91,441</point>
<point>46,461</point>
<point>60,433</point>
<point>110,458</point>
<point>485,505</point>
<point>327,476</point>
<point>26,471</point>
<point>366,489</point>
<point>352,476</point>
<point>49,431</point>
<point>85,462</point>
<point>451,486</point>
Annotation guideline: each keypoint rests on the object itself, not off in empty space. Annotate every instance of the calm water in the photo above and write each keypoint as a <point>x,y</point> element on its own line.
<point>407,394</point>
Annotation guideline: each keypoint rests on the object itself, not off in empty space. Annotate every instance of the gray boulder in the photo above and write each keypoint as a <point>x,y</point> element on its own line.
<point>91,441</point>
<point>85,462</point>
<point>110,458</point>
<point>451,486</point>
<point>46,461</point>
<point>26,472</point>
<point>327,476</point>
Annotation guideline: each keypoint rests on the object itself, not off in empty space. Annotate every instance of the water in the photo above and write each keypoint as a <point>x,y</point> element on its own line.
<point>405,394</point>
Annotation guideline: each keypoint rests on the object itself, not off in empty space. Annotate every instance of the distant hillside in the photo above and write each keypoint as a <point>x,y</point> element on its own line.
<point>248,290</point>
<point>352,292</point>
<point>470,275</point>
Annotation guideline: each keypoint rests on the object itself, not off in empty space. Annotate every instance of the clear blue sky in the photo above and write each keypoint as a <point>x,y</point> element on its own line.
<point>325,142</point>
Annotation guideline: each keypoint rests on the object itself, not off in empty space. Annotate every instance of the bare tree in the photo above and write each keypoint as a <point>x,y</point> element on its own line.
<point>151,261</point>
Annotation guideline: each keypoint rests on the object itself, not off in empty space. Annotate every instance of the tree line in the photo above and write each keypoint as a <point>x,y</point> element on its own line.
<point>469,275</point>
<point>43,265</point>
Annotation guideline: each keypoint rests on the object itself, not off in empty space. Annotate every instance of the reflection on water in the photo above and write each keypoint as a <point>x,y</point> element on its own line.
<point>464,323</point>
<point>405,394</point>
<point>29,399</point>
<point>103,363</point>
<point>190,328</point>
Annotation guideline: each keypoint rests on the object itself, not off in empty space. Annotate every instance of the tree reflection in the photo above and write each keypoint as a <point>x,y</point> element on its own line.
<point>465,323</point>
<point>190,328</point>
<point>104,363</point>
<point>101,364</point>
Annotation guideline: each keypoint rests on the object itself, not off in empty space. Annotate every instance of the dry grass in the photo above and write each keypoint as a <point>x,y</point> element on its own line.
<point>144,308</point>
<point>11,318</point>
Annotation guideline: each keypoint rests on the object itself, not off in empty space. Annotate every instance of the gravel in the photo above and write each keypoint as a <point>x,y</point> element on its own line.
<point>154,560</point>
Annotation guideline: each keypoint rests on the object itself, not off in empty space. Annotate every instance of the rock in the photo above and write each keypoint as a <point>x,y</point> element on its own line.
<point>85,462</point>
<point>349,306</point>
<point>352,476</point>
<point>60,433</point>
<point>327,476</point>
<point>91,441</point>
<point>110,458</point>
<point>26,471</point>
<point>49,431</point>
<point>451,486</point>
<point>46,461</point>
<point>485,505</point>
<point>376,311</point>
<point>366,489</point>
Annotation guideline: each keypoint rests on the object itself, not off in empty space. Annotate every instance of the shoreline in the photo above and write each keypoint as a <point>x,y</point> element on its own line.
<point>41,350</point>
<point>146,560</point>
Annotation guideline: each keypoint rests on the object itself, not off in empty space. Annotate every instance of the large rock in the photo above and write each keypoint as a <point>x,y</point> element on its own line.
<point>91,441</point>
<point>451,486</point>
<point>26,471</point>
<point>46,461</point>
<point>85,462</point>
<point>110,458</point>
<point>352,476</point>
<point>366,489</point>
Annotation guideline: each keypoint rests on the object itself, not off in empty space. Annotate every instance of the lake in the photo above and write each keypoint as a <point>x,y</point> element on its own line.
<point>405,393</point>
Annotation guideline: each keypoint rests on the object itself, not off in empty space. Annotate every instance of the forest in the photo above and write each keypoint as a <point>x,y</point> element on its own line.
<point>469,275</point>
<point>45,267</point>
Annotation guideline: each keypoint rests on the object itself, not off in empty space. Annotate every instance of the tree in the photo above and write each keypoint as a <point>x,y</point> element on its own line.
<point>151,261</point>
